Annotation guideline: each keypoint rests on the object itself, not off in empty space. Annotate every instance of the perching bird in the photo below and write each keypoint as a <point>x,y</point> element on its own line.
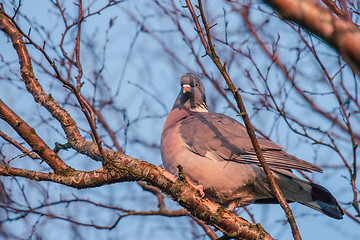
<point>217,156</point>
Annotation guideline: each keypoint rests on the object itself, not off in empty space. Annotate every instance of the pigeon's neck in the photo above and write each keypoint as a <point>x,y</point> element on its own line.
<point>179,113</point>
<point>190,102</point>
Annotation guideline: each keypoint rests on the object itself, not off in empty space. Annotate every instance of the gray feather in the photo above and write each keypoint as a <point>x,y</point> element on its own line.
<point>217,135</point>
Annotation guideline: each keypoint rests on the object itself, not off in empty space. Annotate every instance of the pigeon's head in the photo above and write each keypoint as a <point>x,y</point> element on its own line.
<point>192,93</point>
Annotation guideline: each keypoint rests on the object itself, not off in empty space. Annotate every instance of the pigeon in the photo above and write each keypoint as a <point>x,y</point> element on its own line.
<point>218,159</point>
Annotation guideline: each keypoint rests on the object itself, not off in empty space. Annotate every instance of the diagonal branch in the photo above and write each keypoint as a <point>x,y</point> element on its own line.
<point>275,58</point>
<point>210,51</point>
<point>339,33</point>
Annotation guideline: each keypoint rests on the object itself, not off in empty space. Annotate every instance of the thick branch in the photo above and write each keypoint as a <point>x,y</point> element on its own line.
<point>132,169</point>
<point>342,35</point>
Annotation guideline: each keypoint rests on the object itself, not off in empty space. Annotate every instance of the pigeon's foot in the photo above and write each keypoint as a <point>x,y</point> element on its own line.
<point>199,188</point>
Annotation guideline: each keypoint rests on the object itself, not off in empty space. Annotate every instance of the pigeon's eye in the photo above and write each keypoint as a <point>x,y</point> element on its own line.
<point>196,84</point>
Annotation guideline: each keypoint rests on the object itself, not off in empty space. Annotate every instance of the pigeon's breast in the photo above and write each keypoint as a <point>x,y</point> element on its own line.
<point>223,181</point>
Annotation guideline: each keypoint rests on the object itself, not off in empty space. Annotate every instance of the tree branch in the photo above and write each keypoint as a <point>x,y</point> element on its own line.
<point>337,32</point>
<point>132,169</point>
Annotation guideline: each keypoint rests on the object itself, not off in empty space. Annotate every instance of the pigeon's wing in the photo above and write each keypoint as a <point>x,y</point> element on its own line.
<point>221,138</point>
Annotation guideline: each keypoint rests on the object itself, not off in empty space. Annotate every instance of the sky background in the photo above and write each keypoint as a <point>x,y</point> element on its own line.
<point>140,60</point>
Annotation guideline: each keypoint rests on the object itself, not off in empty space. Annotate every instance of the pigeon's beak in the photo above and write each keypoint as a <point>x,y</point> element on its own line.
<point>186,88</point>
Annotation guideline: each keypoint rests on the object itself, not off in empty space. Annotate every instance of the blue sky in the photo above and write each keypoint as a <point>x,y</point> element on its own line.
<point>134,57</point>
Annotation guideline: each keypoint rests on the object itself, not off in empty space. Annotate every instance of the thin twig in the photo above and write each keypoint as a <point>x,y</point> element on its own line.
<point>19,146</point>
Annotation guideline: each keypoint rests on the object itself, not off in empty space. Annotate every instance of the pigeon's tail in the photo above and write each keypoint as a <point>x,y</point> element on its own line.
<point>321,200</point>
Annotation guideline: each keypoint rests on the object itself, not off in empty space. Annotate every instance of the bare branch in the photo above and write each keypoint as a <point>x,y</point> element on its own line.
<point>337,32</point>
<point>19,146</point>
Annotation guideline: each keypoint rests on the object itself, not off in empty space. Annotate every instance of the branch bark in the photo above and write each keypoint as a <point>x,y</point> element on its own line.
<point>132,169</point>
<point>340,34</point>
